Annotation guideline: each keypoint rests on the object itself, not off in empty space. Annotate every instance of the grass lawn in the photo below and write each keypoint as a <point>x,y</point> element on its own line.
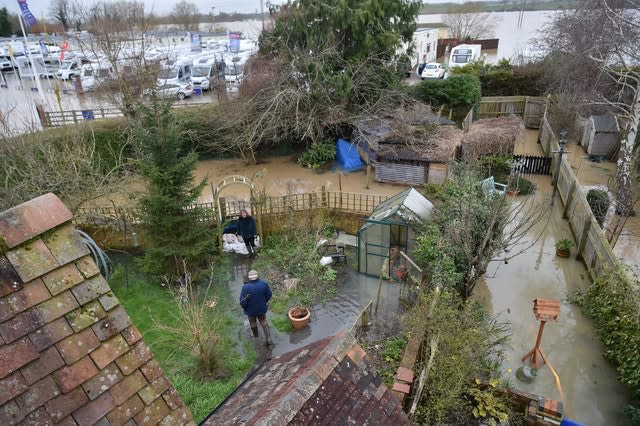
<point>149,304</point>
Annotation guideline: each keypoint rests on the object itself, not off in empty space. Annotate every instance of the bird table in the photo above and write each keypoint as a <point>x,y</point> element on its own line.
<point>545,310</point>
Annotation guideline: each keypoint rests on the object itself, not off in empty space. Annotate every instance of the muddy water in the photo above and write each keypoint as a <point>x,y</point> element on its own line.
<point>591,393</point>
<point>595,174</point>
<point>327,319</point>
<point>282,176</point>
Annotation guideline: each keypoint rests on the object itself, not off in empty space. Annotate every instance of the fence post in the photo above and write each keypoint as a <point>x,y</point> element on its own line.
<point>572,190</point>
<point>323,196</point>
<point>583,238</point>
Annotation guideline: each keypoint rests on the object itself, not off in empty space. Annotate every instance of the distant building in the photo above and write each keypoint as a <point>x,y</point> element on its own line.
<point>426,44</point>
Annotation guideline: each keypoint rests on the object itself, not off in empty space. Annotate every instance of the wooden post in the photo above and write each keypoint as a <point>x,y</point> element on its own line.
<point>368,175</point>
<point>583,238</point>
<point>572,189</point>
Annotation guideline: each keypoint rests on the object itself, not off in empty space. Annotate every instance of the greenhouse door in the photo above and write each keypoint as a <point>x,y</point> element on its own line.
<point>377,243</point>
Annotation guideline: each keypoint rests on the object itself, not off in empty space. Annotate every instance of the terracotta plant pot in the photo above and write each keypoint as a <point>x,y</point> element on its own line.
<point>299,317</point>
<point>563,253</point>
<point>513,192</point>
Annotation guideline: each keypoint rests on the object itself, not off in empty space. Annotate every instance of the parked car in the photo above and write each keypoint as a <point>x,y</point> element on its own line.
<point>178,90</point>
<point>433,70</point>
<point>68,70</point>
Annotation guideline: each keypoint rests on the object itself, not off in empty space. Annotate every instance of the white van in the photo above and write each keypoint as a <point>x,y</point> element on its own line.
<point>464,54</point>
<point>206,71</point>
<point>5,62</point>
<point>179,72</point>
<point>234,71</point>
<point>25,70</point>
<point>51,65</point>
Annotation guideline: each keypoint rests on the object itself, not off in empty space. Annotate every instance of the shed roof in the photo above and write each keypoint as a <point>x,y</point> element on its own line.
<point>605,123</point>
<point>328,381</point>
<point>409,205</point>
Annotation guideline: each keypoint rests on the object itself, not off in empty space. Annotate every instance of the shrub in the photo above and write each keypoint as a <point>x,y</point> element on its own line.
<point>599,202</point>
<point>318,155</point>
<point>613,300</point>
<point>460,92</point>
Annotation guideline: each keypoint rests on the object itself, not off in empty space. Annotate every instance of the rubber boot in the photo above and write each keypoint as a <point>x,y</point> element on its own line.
<point>254,330</point>
<point>267,334</point>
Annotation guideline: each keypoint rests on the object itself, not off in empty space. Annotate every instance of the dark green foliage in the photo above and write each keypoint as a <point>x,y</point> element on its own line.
<point>525,186</point>
<point>459,93</point>
<point>171,224</point>
<point>612,301</point>
<point>633,413</point>
<point>318,155</point>
<point>503,79</point>
<point>599,202</point>
<point>5,24</point>
<point>332,44</point>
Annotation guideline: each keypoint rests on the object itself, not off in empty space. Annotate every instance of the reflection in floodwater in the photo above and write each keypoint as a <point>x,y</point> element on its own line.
<point>331,317</point>
<point>593,395</point>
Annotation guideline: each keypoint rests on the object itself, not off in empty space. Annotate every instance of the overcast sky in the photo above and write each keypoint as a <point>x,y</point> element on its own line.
<point>40,7</point>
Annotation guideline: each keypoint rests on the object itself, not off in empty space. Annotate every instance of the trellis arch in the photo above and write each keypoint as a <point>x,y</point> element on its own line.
<point>231,180</point>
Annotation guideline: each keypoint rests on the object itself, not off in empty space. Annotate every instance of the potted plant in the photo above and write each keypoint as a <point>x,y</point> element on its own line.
<point>563,247</point>
<point>299,316</point>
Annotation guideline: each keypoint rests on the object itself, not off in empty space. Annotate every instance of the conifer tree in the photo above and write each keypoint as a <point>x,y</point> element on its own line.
<point>172,226</point>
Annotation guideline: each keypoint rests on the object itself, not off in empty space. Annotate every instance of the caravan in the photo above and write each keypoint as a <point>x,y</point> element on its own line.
<point>464,54</point>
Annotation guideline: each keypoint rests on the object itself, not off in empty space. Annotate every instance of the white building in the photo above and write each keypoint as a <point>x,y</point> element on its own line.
<point>425,41</point>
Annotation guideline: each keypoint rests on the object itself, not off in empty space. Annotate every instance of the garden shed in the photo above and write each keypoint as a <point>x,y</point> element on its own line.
<point>409,146</point>
<point>601,135</point>
<point>491,136</point>
<point>391,228</point>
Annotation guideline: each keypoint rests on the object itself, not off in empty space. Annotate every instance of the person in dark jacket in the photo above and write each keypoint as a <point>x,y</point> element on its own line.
<point>254,297</point>
<point>247,230</point>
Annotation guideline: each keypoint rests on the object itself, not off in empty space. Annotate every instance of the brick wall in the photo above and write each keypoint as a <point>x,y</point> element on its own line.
<point>69,353</point>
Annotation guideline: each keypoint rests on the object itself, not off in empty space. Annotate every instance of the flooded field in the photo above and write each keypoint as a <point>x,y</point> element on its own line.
<point>591,393</point>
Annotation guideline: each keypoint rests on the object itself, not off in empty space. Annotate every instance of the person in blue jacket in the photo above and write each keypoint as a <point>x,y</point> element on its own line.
<point>247,230</point>
<point>254,297</point>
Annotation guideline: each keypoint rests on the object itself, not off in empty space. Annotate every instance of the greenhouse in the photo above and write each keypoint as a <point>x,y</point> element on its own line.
<point>391,228</point>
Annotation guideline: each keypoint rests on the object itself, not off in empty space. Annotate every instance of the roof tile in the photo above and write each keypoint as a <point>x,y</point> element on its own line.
<point>10,281</point>
<point>32,260</point>
<point>65,244</point>
<point>31,219</point>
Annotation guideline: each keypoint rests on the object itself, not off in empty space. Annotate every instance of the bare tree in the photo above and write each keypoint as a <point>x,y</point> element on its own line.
<point>185,14</point>
<point>118,39</point>
<point>468,22</point>
<point>593,57</point>
<point>59,10</point>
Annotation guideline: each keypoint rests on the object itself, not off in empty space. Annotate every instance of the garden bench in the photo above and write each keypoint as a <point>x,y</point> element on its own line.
<point>490,187</point>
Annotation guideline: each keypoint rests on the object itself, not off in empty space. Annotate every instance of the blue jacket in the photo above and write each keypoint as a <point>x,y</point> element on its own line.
<point>254,297</point>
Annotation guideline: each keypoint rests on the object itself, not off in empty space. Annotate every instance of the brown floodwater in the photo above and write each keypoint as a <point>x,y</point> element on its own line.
<point>592,174</point>
<point>283,176</point>
<point>592,395</point>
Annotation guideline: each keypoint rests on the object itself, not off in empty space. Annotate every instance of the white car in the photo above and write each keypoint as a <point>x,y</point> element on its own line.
<point>68,70</point>
<point>433,70</point>
<point>178,90</point>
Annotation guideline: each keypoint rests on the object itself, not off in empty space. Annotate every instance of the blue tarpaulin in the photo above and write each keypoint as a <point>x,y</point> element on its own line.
<point>347,156</point>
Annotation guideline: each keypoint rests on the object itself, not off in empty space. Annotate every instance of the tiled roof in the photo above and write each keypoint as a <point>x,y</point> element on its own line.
<point>326,382</point>
<point>69,353</point>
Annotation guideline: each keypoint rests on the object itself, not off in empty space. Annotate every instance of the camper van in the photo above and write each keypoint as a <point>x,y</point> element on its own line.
<point>94,73</point>
<point>51,66</point>
<point>234,71</point>
<point>178,72</point>
<point>207,70</point>
<point>463,54</point>
<point>5,62</point>
<point>68,69</point>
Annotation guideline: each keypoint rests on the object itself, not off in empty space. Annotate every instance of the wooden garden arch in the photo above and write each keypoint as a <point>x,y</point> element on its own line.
<point>237,179</point>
